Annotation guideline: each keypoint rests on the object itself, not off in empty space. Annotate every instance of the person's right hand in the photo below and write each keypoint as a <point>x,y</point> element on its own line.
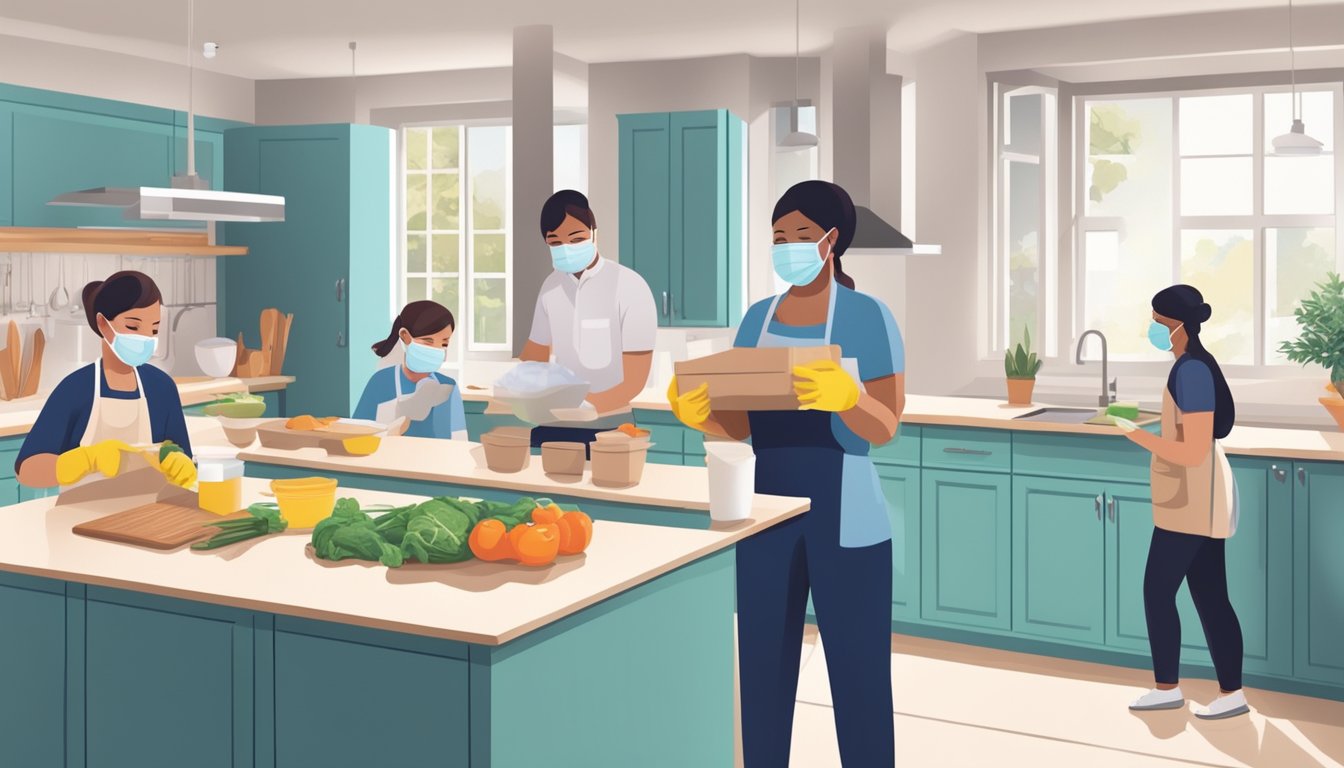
<point>692,408</point>
<point>105,457</point>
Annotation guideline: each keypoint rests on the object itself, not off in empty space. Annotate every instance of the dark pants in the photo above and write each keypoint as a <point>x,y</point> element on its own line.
<point>1200,562</point>
<point>851,594</point>
<point>563,435</point>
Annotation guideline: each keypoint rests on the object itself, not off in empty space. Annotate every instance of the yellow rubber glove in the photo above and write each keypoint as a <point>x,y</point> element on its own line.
<point>105,457</point>
<point>825,386</point>
<point>179,469</point>
<point>692,408</point>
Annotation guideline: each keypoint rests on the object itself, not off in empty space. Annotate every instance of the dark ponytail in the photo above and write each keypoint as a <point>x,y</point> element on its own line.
<point>829,207</point>
<point>419,318</point>
<point>1186,304</point>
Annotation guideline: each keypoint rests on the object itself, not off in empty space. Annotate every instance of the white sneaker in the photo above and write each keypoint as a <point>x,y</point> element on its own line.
<point>1158,699</point>
<point>1227,705</point>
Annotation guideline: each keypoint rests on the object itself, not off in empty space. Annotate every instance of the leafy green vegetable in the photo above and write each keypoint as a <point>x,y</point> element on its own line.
<point>436,532</point>
<point>433,531</point>
<point>350,534</point>
<point>263,519</point>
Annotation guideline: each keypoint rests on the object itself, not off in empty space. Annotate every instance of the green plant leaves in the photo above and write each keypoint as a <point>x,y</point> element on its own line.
<point>1320,317</point>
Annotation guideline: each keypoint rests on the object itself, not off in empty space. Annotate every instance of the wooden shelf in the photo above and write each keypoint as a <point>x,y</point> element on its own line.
<point>131,242</point>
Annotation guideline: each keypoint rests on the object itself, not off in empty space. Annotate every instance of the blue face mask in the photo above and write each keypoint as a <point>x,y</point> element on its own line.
<point>132,349</point>
<point>1160,335</point>
<point>572,258</point>
<point>424,359</point>
<point>797,263</point>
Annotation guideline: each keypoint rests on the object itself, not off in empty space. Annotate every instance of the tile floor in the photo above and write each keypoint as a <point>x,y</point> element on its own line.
<point>959,705</point>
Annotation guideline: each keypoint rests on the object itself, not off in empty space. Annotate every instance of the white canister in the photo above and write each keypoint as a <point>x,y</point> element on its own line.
<point>732,480</point>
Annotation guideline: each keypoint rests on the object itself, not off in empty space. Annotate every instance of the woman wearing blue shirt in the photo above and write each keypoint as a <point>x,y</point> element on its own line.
<point>97,418</point>
<point>841,549</point>
<point>415,390</point>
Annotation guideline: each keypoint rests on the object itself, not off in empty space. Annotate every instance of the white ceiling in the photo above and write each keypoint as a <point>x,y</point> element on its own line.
<point>265,39</point>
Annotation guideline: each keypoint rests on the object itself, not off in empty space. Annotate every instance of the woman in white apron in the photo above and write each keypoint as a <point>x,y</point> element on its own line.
<point>841,549</point>
<point>415,390</point>
<point>98,420</point>
<point>1194,508</point>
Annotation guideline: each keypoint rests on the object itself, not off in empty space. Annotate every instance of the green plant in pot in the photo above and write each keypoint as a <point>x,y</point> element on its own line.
<point>1021,365</point>
<point>1320,317</point>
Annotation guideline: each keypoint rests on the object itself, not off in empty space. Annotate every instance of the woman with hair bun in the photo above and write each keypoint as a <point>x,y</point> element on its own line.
<point>416,390</point>
<point>102,415</point>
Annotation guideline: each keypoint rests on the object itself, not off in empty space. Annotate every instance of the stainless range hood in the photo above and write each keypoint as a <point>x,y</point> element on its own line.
<point>873,235</point>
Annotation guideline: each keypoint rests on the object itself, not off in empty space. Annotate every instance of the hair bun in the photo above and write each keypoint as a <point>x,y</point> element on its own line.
<point>1205,312</point>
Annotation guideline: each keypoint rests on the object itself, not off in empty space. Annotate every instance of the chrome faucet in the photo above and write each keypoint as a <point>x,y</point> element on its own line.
<point>1108,385</point>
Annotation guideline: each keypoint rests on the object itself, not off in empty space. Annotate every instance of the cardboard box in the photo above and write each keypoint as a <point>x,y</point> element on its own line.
<point>747,379</point>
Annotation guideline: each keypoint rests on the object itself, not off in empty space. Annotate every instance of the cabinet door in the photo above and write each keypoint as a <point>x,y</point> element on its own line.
<point>1318,578</point>
<point>900,487</point>
<point>645,147</point>
<point>1129,529</point>
<point>966,537</point>
<point>32,671</point>
<point>699,218</point>
<point>1059,581</point>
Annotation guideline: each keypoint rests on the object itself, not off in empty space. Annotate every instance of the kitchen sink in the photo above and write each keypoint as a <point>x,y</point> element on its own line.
<point>1057,415</point>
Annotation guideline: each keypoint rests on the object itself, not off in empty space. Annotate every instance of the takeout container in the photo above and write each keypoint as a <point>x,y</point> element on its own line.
<point>507,449</point>
<point>538,407</point>
<point>619,463</point>
<point>305,501</point>
<point>751,379</point>
<point>564,461</point>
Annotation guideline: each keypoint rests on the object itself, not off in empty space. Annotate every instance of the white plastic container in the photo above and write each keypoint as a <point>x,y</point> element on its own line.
<point>219,484</point>
<point>732,480</point>
<point>216,356</point>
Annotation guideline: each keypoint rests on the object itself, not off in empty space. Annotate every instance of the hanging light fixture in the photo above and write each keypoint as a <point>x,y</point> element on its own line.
<point>1295,141</point>
<point>354,87</point>
<point>796,139</point>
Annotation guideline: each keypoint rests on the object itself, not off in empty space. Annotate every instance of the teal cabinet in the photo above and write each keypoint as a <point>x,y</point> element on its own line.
<point>901,488</point>
<point>1129,521</point>
<point>682,191</point>
<point>327,263</point>
<point>1318,576</point>
<point>966,548</point>
<point>32,668</point>
<point>1058,565</point>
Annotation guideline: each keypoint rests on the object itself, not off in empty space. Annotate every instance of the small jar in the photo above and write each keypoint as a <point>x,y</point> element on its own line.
<point>219,485</point>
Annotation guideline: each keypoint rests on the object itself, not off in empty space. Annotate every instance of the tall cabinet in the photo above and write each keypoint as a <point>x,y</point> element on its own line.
<point>329,263</point>
<point>682,189</point>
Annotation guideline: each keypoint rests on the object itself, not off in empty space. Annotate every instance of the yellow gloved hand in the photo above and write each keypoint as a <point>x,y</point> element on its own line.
<point>105,457</point>
<point>692,408</point>
<point>179,469</point>
<point>825,386</point>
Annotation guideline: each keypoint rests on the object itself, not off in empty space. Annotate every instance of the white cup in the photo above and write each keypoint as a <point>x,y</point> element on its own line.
<point>732,480</point>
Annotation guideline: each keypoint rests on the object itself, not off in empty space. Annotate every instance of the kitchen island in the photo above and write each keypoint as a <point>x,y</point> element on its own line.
<point>260,655</point>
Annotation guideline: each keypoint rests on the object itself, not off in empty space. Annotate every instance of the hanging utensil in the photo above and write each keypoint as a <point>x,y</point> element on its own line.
<point>32,377</point>
<point>60,297</point>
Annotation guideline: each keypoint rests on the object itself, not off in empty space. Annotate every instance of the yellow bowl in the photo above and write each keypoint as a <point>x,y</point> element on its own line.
<point>363,445</point>
<point>305,502</point>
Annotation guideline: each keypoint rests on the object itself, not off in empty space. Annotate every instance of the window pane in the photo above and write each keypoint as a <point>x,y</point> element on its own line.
<point>1300,185</point>
<point>1295,261</point>
<point>416,289</point>
<point>1121,274</point>
<point>1024,259</point>
<point>486,153</point>
<point>1318,115</point>
<point>1217,125</point>
<point>417,141</point>
<point>1129,157</point>
<point>445,253</point>
<point>415,253</point>
<point>487,253</point>
<point>415,201</point>
<point>446,293</point>
<point>1220,263</point>
<point>1216,186</point>
<point>444,194</point>
<point>1023,123</point>
<point>571,157</point>
<point>490,321</point>
<point>445,148</point>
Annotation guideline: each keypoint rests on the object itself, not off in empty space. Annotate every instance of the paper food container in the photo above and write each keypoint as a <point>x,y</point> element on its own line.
<point>751,379</point>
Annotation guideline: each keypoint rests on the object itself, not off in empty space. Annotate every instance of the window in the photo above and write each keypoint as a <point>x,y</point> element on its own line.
<point>1185,188</point>
<point>571,157</point>
<point>456,246</point>
<point>1024,263</point>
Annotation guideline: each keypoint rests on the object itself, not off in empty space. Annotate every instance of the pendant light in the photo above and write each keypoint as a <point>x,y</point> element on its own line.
<point>1295,141</point>
<point>796,139</point>
<point>354,87</point>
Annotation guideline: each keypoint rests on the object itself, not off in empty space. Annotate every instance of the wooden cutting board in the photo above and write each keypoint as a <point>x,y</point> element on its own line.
<point>273,434</point>
<point>157,526</point>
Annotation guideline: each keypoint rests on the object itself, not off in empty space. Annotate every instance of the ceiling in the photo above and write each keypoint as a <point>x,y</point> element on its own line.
<point>267,39</point>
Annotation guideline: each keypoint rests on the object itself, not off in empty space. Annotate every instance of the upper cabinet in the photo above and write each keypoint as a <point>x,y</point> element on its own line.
<point>682,203</point>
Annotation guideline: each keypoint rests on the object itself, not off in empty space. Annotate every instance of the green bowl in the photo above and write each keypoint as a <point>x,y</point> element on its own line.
<point>235,410</point>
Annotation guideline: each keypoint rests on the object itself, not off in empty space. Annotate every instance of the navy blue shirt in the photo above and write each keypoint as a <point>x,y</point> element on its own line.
<point>65,416</point>
<point>1191,385</point>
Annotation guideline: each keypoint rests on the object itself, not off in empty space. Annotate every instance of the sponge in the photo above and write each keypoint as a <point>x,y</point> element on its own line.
<point>1123,410</point>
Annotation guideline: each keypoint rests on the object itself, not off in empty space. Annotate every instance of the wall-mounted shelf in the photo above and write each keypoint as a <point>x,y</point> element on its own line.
<point>129,242</point>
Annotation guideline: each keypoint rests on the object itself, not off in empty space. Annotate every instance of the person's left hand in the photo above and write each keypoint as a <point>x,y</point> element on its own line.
<point>825,386</point>
<point>179,469</point>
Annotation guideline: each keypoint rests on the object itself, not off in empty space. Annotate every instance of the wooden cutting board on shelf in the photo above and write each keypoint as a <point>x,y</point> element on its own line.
<point>157,526</point>
<point>274,434</point>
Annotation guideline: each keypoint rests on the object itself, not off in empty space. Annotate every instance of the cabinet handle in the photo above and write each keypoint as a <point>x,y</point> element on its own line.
<point>1110,508</point>
<point>967,451</point>
<point>1279,474</point>
<point>340,339</point>
<point>1098,506</point>
<point>1302,475</point>
<point>340,289</point>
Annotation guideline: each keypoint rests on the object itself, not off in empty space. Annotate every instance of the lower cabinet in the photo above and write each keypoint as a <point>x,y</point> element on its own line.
<point>32,666</point>
<point>1129,530</point>
<point>966,548</point>
<point>901,488</point>
<point>1318,576</point>
<point>1059,575</point>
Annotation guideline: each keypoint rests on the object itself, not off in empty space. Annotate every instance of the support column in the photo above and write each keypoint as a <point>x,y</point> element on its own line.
<point>533,167</point>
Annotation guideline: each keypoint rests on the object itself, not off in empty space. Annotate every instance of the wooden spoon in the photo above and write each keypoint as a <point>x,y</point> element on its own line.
<point>33,376</point>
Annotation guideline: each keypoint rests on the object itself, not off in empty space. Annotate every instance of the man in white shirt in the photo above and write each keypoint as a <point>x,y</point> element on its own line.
<point>594,315</point>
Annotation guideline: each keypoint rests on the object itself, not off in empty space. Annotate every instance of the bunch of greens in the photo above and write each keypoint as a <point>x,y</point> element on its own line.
<point>263,519</point>
<point>349,534</point>
<point>433,531</point>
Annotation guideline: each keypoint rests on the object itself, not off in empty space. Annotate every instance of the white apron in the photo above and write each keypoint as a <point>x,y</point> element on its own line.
<point>114,419</point>
<point>1200,500</point>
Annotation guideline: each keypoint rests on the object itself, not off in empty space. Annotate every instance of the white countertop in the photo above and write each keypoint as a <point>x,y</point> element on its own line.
<point>473,602</point>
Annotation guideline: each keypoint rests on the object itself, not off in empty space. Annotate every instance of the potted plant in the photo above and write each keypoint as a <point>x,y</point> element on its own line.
<point>1020,365</point>
<point>1321,341</point>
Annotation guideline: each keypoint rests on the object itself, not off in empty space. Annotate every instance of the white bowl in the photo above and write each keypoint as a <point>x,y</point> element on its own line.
<point>216,356</point>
